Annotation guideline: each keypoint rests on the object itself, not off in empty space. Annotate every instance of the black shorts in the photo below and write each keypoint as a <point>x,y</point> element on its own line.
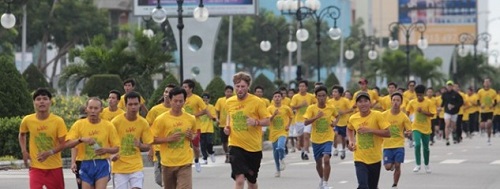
<point>223,136</point>
<point>244,162</point>
<point>441,123</point>
<point>435,122</point>
<point>486,116</point>
<point>78,165</point>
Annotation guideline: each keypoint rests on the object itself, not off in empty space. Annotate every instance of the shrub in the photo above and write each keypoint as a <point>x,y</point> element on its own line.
<point>34,78</point>
<point>68,107</point>
<point>9,145</point>
<point>331,80</point>
<point>197,88</point>
<point>100,85</point>
<point>15,99</point>
<point>216,89</point>
<point>263,81</point>
<point>158,93</point>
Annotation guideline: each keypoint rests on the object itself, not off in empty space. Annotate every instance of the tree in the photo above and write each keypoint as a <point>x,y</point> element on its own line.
<point>15,99</point>
<point>216,89</point>
<point>158,93</point>
<point>99,85</point>
<point>264,82</point>
<point>331,80</point>
<point>198,90</point>
<point>138,57</point>
<point>34,78</point>
<point>469,70</point>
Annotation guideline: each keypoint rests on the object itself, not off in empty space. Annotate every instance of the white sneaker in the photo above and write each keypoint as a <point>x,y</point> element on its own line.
<point>335,152</point>
<point>204,162</point>
<point>394,187</point>
<point>342,154</point>
<point>277,174</point>
<point>282,165</point>
<point>212,157</point>
<point>489,142</point>
<point>416,169</point>
<point>427,169</point>
<point>198,167</point>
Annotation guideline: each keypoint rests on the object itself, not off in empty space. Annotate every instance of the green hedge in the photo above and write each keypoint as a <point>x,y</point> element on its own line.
<point>35,78</point>
<point>263,81</point>
<point>330,81</point>
<point>9,143</point>
<point>100,85</point>
<point>15,99</point>
<point>216,89</point>
<point>158,93</point>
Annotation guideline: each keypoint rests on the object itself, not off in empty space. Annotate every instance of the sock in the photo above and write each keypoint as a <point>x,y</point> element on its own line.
<point>196,160</point>
<point>393,185</point>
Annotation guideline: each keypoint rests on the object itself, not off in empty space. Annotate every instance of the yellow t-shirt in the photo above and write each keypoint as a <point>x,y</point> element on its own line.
<point>284,101</point>
<point>104,133</point>
<point>298,99</point>
<point>422,122</point>
<point>278,125</point>
<point>44,136</point>
<point>472,100</point>
<point>385,102</point>
<point>433,101</point>
<point>487,99</point>
<point>439,101</point>
<point>220,106</point>
<point>368,146</point>
<point>398,124</point>
<point>497,108</point>
<point>322,128</point>
<point>121,103</point>
<point>266,101</point>
<point>342,104</point>
<point>409,95</point>
<point>464,98</point>
<point>207,124</point>
<point>155,112</point>
<point>245,136</point>
<point>193,105</point>
<point>178,153</point>
<point>109,115</point>
<point>130,159</point>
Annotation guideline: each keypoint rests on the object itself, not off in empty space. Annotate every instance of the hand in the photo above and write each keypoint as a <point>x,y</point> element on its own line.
<point>251,121</point>
<point>352,146</point>
<point>89,141</point>
<point>151,154</point>
<point>189,134</point>
<point>73,168</point>
<point>115,157</point>
<point>408,132</point>
<point>450,106</point>
<point>287,128</point>
<point>276,112</point>
<point>101,151</point>
<point>44,155</point>
<point>175,137</point>
<point>304,103</point>
<point>419,110</point>
<point>364,130</point>
<point>227,130</point>
<point>320,114</point>
<point>137,143</point>
<point>26,157</point>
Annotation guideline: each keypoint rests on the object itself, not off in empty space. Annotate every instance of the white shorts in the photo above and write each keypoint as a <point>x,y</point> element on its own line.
<point>292,131</point>
<point>452,117</point>
<point>301,128</point>
<point>129,180</point>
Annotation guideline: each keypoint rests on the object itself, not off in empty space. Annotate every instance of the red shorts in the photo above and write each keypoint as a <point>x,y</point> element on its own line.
<point>196,139</point>
<point>51,178</point>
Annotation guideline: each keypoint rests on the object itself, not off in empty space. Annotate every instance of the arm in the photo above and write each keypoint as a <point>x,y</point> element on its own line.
<point>352,139</point>
<point>41,157</point>
<point>22,144</point>
<point>144,110</point>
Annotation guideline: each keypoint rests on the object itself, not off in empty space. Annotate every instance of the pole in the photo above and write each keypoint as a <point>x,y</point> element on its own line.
<point>180,26</point>
<point>23,40</point>
<point>318,44</point>
<point>408,54</point>
<point>290,38</point>
<point>230,46</point>
<point>475,62</point>
<point>278,53</point>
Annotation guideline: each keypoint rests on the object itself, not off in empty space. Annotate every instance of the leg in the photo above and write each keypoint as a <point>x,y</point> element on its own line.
<point>373,175</point>
<point>102,183</point>
<point>417,136</point>
<point>362,175</point>
<point>239,181</point>
<point>326,167</point>
<point>425,145</point>
<point>184,177</point>
<point>169,180</point>
<point>458,128</point>
<point>307,142</point>
<point>488,128</point>
<point>397,173</point>
<point>276,156</point>
<point>223,139</point>
<point>319,168</point>
<point>204,146</point>
<point>157,169</point>
<point>196,146</point>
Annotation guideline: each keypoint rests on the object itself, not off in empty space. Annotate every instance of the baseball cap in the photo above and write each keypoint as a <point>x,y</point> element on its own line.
<point>363,81</point>
<point>449,82</point>
<point>362,94</point>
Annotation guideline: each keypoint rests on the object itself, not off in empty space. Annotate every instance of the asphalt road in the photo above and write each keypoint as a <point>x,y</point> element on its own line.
<point>470,165</point>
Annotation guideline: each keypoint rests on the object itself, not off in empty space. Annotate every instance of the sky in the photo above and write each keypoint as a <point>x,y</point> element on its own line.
<point>494,27</point>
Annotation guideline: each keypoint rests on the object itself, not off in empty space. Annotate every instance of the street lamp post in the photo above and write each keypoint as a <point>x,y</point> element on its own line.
<point>311,10</point>
<point>265,45</point>
<point>8,20</point>
<point>494,53</point>
<point>372,53</point>
<point>159,15</point>
<point>407,30</point>
<point>474,40</point>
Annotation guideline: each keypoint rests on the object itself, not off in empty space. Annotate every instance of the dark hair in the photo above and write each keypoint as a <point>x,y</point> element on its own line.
<point>228,87</point>
<point>318,83</point>
<point>190,83</point>
<point>393,84</point>
<point>420,89</point>
<point>117,93</point>
<point>411,82</point>
<point>93,98</point>
<point>42,92</point>
<point>131,95</point>
<point>376,88</point>
<point>339,88</point>
<point>131,81</point>
<point>176,91</point>
<point>258,87</point>
<point>397,94</point>
<point>293,90</point>
<point>171,85</point>
<point>205,95</point>
<point>277,92</point>
<point>283,89</point>
<point>320,88</point>
<point>430,88</point>
<point>402,89</point>
<point>303,81</point>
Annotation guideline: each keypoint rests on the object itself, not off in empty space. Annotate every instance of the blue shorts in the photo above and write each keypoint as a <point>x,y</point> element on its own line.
<point>93,170</point>
<point>394,155</point>
<point>341,130</point>
<point>321,149</point>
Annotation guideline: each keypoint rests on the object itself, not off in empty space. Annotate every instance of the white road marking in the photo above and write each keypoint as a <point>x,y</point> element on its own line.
<point>497,162</point>
<point>452,161</point>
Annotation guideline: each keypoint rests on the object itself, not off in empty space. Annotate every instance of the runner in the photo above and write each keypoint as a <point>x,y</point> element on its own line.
<point>299,104</point>
<point>344,108</point>
<point>129,86</point>
<point>220,107</point>
<point>112,110</point>
<point>207,130</point>
<point>278,130</point>
<point>487,101</point>
<point>452,101</point>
